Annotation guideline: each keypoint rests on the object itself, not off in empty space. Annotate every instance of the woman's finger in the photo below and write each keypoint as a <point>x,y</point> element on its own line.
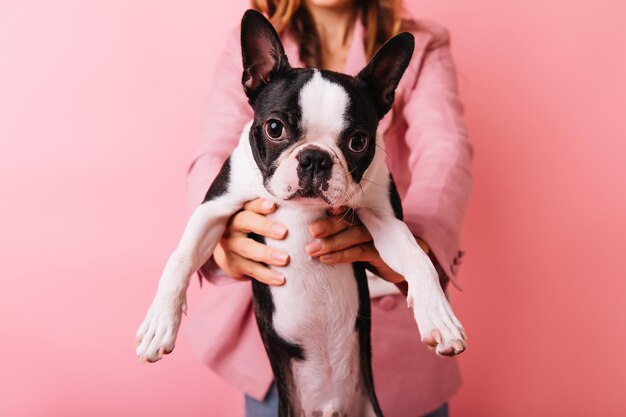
<point>339,241</point>
<point>256,270</point>
<point>365,252</point>
<point>260,205</point>
<point>332,225</point>
<point>253,250</point>
<point>241,268</point>
<point>250,222</point>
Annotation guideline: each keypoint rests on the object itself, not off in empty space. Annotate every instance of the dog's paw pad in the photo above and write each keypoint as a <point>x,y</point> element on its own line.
<point>441,346</point>
<point>440,329</point>
<point>450,348</point>
<point>157,334</point>
<point>154,345</point>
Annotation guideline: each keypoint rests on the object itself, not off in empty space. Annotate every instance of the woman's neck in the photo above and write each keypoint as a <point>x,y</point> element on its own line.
<point>334,26</point>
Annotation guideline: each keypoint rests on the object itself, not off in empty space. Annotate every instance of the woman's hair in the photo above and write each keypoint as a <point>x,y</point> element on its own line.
<point>381,18</point>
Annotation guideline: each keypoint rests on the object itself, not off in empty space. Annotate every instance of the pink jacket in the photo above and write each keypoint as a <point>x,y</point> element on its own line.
<point>429,156</point>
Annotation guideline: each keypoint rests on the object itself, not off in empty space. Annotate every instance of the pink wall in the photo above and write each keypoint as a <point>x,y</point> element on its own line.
<point>99,105</point>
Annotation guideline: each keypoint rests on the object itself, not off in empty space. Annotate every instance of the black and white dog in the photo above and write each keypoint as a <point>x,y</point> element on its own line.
<point>313,145</point>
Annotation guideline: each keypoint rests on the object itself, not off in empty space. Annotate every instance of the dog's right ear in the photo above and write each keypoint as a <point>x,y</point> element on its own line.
<point>262,52</point>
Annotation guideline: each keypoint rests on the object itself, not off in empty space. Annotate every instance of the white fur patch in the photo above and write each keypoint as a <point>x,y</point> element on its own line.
<point>323,105</point>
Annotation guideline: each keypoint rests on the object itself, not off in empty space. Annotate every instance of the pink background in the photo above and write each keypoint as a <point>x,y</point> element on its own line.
<point>99,117</point>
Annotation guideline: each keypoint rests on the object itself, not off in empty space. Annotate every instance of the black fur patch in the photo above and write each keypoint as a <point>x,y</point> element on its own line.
<point>279,351</point>
<point>363,326</point>
<point>220,184</point>
<point>394,199</point>
<point>278,100</point>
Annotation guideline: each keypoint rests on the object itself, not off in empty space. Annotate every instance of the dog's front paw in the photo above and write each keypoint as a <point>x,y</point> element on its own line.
<point>157,333</point>
<point>438,326</point>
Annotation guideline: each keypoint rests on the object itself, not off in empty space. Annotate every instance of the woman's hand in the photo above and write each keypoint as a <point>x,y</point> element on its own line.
<point>343,238</point>
<point>242,257</point>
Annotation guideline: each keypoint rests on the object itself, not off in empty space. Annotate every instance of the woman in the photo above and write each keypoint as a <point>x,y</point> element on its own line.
<point>429,156</point>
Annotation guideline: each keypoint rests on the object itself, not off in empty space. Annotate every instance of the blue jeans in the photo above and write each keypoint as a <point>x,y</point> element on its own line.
<point>269,406</point>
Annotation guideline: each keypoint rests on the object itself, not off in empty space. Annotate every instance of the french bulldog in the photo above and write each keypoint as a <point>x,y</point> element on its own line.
<point>313,145</point>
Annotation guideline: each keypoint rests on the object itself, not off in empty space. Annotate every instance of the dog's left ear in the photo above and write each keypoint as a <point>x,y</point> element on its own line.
<point>384,71</point>
<point>262,52</point>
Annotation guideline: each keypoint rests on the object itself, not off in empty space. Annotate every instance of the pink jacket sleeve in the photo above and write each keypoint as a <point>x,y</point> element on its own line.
<point>225,114</point>
<point>440,157</point>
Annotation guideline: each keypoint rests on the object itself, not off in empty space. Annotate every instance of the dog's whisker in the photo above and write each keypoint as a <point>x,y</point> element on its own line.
<point>351,171</point>
<point>362,194</point>
<point>372,182</point>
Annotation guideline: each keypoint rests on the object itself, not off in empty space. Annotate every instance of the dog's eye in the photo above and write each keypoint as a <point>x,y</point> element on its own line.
<point>275,130</point>
<point>358,142</point>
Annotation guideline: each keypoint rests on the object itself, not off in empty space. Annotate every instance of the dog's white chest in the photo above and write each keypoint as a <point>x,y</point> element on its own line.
<point>318,301</point>
<point>317,309</point>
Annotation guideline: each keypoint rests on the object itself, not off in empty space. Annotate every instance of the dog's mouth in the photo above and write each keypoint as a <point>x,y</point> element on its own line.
<point>310,193</point>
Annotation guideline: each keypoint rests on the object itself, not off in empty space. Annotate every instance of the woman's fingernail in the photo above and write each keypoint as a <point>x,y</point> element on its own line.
<point>313,247</point>
<point>327,257</point>
<point>267,205</point>
<point>278,229</point>
<point>278,278</point>
<point>280,256</point>
<point>317,229</point>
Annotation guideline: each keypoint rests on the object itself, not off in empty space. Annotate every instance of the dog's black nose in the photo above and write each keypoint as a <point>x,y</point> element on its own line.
<point>314,160</point>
